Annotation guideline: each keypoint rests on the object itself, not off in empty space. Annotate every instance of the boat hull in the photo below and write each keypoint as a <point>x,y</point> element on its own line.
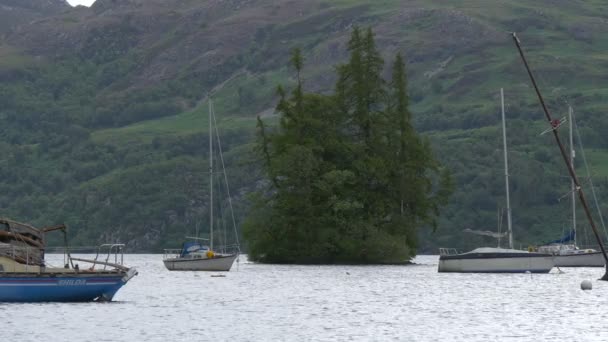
<point>519,263</point>
<point>593,259</point>
<point>59,288</point>
<point>218,263</point>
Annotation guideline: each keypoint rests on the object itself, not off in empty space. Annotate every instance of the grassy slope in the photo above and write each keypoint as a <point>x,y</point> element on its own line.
<point>459,55</point>
<point>469,82</point>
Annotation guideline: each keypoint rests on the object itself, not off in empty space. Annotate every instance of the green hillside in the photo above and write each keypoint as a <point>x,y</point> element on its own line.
<point>104,121</point>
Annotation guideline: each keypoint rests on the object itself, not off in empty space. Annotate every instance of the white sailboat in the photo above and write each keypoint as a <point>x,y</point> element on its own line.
<point>569,254</point>
<point>491,259</point>
<point>194,255</point>
<point>571,171</point>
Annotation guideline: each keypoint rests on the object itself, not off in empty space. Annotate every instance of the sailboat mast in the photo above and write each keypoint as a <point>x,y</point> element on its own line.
<point>572,185</point>
<point>504,143</point>
<point>579,190</point>
<point>210,174</point>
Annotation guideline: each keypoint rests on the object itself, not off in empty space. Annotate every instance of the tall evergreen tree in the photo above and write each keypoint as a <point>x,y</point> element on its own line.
<point>351,181</point>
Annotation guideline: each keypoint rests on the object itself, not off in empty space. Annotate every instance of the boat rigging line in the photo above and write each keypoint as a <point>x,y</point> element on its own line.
<point>554,124</point>
<point>582,150</point>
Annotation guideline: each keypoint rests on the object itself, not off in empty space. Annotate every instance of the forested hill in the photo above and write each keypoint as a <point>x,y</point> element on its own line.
<point>17,12</point>
<point>103,109</point>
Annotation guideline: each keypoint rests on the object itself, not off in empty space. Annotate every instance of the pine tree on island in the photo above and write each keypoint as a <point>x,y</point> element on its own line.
<point>349,179</point>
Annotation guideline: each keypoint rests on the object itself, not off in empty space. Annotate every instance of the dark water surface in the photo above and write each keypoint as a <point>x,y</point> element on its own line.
<point>325,303</point>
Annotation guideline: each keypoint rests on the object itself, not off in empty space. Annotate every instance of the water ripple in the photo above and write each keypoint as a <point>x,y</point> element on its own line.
<point>326,303</point>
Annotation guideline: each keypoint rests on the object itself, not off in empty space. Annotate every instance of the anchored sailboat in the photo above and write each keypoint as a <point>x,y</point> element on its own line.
<point>496,260</point>
<point>25,276</point>
<point>566,250</point>
<point>579,190</point>
<point>194,254</point>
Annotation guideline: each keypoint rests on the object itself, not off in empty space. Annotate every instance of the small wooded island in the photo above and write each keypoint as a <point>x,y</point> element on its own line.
<point>349,179</point>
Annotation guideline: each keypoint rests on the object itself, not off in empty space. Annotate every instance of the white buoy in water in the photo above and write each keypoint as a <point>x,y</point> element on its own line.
<point>586,285</point>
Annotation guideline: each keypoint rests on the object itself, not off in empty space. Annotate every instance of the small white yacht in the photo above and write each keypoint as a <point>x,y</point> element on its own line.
<point>496,260</point>
<point>572,256</point>
<point>194,256</point>
<point>566,250</point>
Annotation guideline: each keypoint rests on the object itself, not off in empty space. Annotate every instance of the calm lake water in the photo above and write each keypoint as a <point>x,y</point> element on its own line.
<point>325,303</point>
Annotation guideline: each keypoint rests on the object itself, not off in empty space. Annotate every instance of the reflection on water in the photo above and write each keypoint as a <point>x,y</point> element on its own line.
<point>325,303</point>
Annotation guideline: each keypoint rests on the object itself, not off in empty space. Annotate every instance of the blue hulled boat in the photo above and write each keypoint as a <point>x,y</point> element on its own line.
<point>47,287</point>
<point>25,277</point>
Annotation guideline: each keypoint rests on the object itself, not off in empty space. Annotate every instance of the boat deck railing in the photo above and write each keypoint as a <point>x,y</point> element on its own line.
<point>448,251</point>
<point>171,253</point>
<point>589,246</point>
<point>107,255</point>
<point>114,250</point>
